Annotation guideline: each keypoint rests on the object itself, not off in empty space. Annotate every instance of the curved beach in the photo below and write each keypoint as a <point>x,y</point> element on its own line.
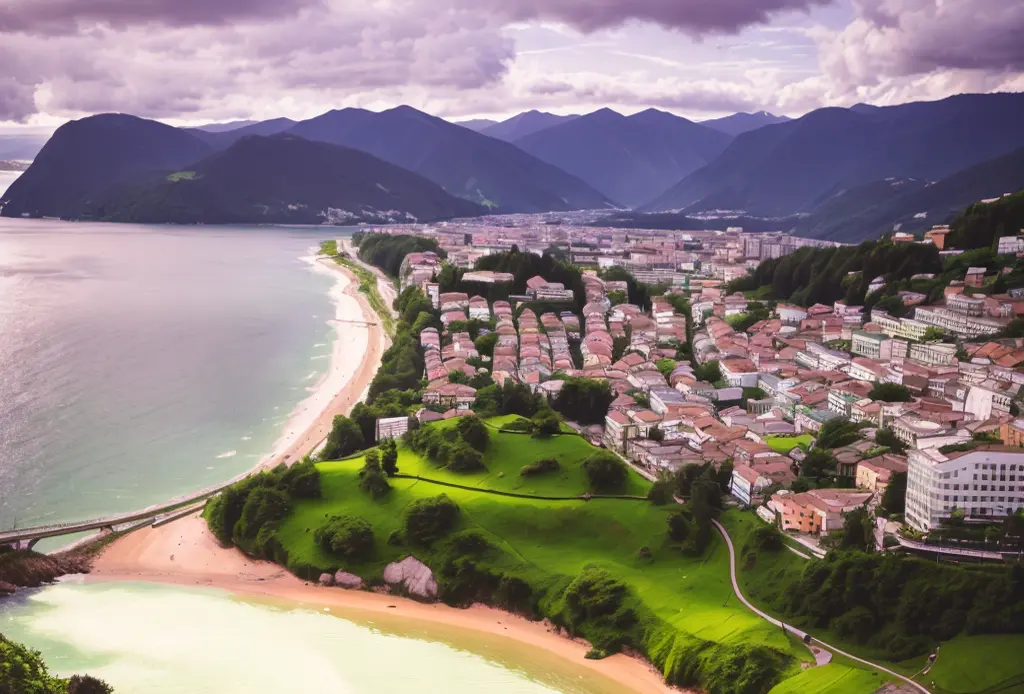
<point>186,553</point>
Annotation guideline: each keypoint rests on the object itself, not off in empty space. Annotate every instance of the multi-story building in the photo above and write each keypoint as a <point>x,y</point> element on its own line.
<point>965,304</point>
<point>933,353</point>
<point>1012,433</point>
<point>906,328</point>
<point>986,483</point>
<point>868,345</point>
<point>957,323</point>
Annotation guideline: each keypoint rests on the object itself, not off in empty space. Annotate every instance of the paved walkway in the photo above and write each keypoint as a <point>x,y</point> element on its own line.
<point>793,630</point>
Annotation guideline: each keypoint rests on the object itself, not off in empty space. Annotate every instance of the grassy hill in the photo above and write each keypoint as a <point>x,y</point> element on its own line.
<point>679,610</point>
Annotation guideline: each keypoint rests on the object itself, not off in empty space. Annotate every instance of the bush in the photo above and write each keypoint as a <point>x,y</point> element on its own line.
<point>545,423</point>
<point>473,431</point>
<point>766,537</point>
<point>346,536</point>
<point>678,527</point>
<point>345,439</point>
<point>264,506</point>
<point>302,480</point>
<point>662,492</point>
<point>371,477</point>
<point>606,472</point>
<point>389,457</point>
<point>428,520</point>
<point>463,458</point>
<point>540,467</point>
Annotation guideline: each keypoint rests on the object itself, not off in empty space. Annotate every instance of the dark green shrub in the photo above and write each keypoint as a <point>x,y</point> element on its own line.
<point>428,520</point>
<point>606,472</point>
<point>545,423</point>
<point>540,467</point>
<point>678,527</point>
<point>662,492</point>
<point>473,431</point>
<point>463,458</point>
<point>345,439</point>
<point>302,480</point>
<point>346,536</point>
<point>264,506</point>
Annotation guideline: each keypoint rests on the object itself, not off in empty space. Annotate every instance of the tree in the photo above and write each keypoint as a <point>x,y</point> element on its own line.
<point>346,536</point>
<point>584,400</point>
<point>345,439</point>
<point>678,527</point>
<point>662,491</point>
<point>666,366</point>
<point>473,431</point>
<point>686,476</point>
<point>485,344</point>
<point>545,423</point>
<point>708,372</point>
<point>818,464</point>
<point>894,497</point>
<point>933,334</point>
<point>724,476</point>
<point>371,477</point>
<point>886,437</point>
<point>429,519</point>
<point>606,472</point>
<point>22,671</point>
<point>837,432</point>
<point>890,392</point>
<point>389,457</point>
<point>464,458</point>
<point>858,531</point>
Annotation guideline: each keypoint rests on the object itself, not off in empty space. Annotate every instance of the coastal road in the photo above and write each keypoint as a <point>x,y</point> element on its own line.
<point>793,630</point>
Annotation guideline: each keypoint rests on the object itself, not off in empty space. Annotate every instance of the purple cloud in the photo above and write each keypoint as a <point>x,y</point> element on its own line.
<point>691,16</point>
<point>63,16</point>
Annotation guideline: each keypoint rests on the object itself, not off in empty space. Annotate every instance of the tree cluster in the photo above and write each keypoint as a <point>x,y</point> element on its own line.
<point>346,536</point>
<point>584,400</point>
<point>427,520</point>
<point>606,472</point>
<point>23,671</point>
<point>387,251</point>
<point>450,447</point>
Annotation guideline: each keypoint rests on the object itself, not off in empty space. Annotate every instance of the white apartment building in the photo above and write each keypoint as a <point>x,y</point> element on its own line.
<point>906,328</point>
<point>958,323</point>
<point>933,354</point>
<point>967,305</point>
<point>985,482</point>
<point>1010,244</point>
<point>867,344</point>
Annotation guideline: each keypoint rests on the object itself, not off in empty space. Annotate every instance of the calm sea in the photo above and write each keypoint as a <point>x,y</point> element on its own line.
<point>151,639</point>
<point>141,363</point>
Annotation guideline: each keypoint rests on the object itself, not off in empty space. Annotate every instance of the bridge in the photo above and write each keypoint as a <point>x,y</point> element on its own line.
<point>26,538</point>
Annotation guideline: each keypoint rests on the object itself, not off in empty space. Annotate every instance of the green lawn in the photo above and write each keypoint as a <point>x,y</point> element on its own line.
<point>784,444</point>
<point>831,679</point>
<point>545,542</point>
<point>979,664</point>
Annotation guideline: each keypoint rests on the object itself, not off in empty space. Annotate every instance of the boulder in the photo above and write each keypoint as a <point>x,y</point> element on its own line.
<point>7,588</point>
<point>416,576</point>
<point>327,579</point>
<point>347,580</point>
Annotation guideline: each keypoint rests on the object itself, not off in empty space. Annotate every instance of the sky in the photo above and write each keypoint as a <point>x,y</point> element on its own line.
<point>198,61</point>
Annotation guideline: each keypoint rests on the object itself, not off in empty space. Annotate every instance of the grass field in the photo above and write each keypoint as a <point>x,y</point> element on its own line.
<point>784,444</point>
<point>546,542</point>
<point>831,679</point>
<point>985,664</point>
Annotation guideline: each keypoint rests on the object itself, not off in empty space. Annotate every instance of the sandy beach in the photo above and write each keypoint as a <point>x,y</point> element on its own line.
<point>347,379</point>
<point>185,553</point>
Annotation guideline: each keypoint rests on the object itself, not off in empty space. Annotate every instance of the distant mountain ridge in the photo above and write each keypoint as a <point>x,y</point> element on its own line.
<point>281,179</point>
<point>739,123</point>
<point>628,158</point>
<point>87,156</point>
<point>792,167</point>
<point>465,163</point>
<point>525,124</point>
<point>224,137</point>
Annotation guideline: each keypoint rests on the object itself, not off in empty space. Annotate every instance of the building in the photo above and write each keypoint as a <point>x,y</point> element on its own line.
<point>391,427</point>
<point>449,395</point>
<point>816,511</point>
<point>957,323</point>
<point>905,328</point>
<point>1012,433</point>
<point>933,353</point>
<point>740,373</point>
<point>965,304</point>
<point>975,277</point>
<point>986,483</point>
<point>874,474</point>
<point>869,345</point>
<point>1010,244</point>
<point>747,483</point>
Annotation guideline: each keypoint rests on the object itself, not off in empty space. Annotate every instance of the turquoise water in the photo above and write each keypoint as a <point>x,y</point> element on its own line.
<point>167,640</point>
<point>142,363</point>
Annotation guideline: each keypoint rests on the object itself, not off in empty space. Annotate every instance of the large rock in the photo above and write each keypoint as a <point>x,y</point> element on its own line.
<point>327,579</point>
<point>416,576</point>
<point>347,580</point>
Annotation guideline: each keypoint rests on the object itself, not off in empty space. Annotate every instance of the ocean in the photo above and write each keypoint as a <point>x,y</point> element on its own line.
<point>142,363</point>
<point>155,639</point>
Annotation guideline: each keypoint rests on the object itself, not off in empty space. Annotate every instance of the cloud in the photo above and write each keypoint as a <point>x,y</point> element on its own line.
<point>65,16</point>
<point>696,17</point>
<point>890,39</point>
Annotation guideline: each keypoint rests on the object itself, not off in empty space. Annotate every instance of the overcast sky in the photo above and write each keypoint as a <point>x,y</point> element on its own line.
<point>191,61</point>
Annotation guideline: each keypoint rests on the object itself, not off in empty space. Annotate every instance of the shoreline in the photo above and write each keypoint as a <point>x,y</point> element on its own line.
<point>185,553</point>
<point>341,387</point>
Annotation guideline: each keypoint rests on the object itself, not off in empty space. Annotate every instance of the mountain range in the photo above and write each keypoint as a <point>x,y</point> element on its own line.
<point>630,159</point>
<point>835,173</point>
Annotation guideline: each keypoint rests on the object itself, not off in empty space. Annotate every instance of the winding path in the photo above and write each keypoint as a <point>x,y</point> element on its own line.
<point>793,630</point>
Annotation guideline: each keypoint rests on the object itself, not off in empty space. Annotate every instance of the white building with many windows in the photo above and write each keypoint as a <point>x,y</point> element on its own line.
<point>986,483</point>
<point>958,323</point>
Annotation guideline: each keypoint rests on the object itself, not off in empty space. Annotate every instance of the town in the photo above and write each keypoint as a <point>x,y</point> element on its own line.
<point>817,410</point>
